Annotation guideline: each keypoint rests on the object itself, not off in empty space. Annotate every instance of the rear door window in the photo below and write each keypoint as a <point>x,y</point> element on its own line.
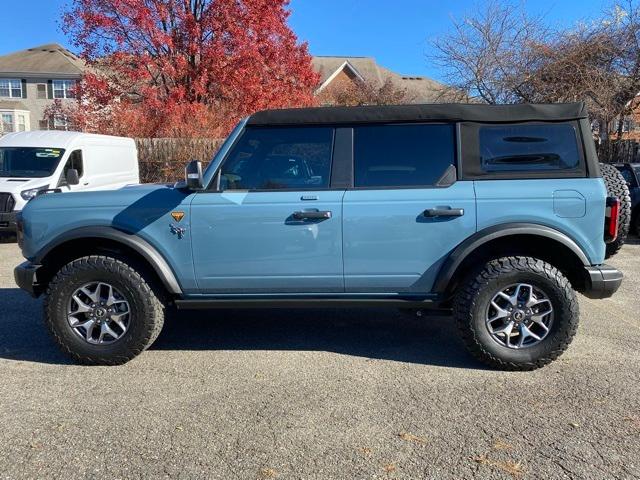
<point>402,155</point>
<point>528,148</point>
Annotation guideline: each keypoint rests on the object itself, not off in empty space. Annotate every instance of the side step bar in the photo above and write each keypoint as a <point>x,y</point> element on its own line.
<point>422,302</point>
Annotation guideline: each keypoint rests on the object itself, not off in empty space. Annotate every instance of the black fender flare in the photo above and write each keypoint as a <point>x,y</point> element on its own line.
<point>136,243</point>
<point>457,256</point>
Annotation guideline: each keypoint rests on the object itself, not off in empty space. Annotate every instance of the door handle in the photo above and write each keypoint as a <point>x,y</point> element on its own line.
<point>444,212</point>
<point>312,215</point>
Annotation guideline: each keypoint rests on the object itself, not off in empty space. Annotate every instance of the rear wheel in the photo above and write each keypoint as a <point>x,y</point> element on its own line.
<point>617,187</point>
<point>517,313</point>
<point>102,311</point>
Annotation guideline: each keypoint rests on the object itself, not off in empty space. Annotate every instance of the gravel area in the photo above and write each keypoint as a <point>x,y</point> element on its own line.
<point>320,394</point>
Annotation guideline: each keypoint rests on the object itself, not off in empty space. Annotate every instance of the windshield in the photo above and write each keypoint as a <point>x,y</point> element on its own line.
<point>29,162</point>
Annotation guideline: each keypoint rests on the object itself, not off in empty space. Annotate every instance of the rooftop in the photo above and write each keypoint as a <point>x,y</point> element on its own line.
<point>57,139</point>
<point>44,59</point>
<point>418,88</point>
<point>421,113</point>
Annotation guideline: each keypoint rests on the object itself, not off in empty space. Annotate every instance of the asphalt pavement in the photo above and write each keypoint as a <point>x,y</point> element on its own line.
<point>320,394</point>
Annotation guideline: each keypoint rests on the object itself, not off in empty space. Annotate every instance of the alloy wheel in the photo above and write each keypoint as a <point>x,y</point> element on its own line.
<point>519,316</point>
<point>98,313</point>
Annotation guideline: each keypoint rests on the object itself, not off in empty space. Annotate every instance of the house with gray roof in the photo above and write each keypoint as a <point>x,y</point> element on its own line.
<point>338,72</point>
<point>30,81</point>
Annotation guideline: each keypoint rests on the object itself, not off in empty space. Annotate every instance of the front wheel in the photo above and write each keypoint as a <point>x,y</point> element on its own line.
<point>517,313</point>
<point>102,311</point>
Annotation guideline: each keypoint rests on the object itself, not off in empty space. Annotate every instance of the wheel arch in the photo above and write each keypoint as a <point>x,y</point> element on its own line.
<point>535,240</point>
<point>97,240</point>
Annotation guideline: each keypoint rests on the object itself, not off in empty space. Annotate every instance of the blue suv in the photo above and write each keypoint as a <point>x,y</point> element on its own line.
<point>497,214</point>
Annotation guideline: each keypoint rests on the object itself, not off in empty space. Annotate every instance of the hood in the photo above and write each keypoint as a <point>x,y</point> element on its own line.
<point>122,197</point>
<point>17,185</point>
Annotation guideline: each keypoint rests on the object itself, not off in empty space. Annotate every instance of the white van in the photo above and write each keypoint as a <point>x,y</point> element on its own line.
<point>31,162</point>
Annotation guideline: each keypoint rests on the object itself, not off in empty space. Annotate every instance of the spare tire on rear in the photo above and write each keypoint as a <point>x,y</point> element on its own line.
<point>617,187</point>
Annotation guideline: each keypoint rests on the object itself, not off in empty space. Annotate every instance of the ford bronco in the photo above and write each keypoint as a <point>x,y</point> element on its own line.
<point>497,214</point>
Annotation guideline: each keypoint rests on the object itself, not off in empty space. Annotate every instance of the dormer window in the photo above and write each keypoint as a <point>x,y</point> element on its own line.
<point>10,88</point>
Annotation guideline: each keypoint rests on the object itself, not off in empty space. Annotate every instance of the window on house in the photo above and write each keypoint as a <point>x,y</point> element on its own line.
<point>42,91</point>
<point>60,123</point>
<point>10,88</point>
<point>402,155</point>
<point>63,88</point>
<point>22,123</point>
<point>7,122</point>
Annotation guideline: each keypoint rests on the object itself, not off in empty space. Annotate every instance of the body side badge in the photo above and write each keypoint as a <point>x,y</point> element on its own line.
<point>177,215</point>
<point>176,230</point>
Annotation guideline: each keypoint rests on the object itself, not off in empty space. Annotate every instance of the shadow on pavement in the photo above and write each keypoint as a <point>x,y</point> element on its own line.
<point>371,333</point>
<point>23,335</point>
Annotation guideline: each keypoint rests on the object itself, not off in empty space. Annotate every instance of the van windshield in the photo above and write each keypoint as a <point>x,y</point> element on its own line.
<point>29,162</point>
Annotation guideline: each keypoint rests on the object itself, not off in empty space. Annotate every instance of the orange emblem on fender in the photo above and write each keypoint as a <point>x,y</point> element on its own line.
<point>177,216</point>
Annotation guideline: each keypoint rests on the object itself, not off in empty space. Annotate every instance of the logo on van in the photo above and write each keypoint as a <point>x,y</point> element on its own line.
<point>177,216</point>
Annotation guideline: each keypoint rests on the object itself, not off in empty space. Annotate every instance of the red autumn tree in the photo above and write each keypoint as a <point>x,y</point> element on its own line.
<point>184,67</point>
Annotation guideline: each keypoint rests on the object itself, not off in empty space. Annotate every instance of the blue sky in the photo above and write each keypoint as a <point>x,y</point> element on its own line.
<point>395,32</point>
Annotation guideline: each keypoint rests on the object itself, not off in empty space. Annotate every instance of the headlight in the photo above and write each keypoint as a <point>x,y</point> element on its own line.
<point>32,192</point>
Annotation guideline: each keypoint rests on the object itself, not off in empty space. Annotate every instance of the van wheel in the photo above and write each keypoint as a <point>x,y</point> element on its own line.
<point>517,313</point>
<point>617,187</point>
<point>101,311</point>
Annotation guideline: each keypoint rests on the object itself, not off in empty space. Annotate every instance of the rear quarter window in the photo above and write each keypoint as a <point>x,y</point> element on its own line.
<point>526,148</point>
<point>531,150</point>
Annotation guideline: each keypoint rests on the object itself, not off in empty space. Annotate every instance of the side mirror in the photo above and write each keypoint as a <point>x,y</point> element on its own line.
<point>72,177</point>
<point>193,175</point>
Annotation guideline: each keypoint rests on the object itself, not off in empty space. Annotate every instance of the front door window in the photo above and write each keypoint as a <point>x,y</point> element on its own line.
<point>279,159</point>
<point>74,161</point>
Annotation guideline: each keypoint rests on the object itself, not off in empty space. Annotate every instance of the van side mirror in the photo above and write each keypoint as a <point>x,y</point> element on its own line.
<point>193,175</point>
<point>72,177</point>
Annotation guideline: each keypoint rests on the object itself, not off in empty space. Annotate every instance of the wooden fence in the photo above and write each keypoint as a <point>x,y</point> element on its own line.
<point>619,151</point>
<point>163,160</point>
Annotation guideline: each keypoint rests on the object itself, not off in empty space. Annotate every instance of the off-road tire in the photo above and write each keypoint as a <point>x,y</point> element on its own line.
<point>473,297</point>
<point>147,310</point>
<point>617,187</point>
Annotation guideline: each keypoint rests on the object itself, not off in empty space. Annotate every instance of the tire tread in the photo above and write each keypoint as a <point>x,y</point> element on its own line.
<point>467,297</point>
<point>617,187</point>
<point>118,267</point>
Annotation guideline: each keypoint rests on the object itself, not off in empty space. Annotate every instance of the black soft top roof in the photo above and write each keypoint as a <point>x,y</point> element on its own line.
<point>419,113</point>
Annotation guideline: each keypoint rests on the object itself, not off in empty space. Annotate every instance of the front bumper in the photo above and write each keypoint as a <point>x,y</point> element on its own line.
<point>8,222</point>
<point>26,278</point>
<point>602,281</point>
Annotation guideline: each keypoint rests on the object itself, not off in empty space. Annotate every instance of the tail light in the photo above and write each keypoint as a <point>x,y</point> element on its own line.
<point>612,219</point>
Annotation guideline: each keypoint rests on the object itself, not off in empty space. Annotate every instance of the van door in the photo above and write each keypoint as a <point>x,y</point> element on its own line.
<point>275,225</point>
<point>407,210</point>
